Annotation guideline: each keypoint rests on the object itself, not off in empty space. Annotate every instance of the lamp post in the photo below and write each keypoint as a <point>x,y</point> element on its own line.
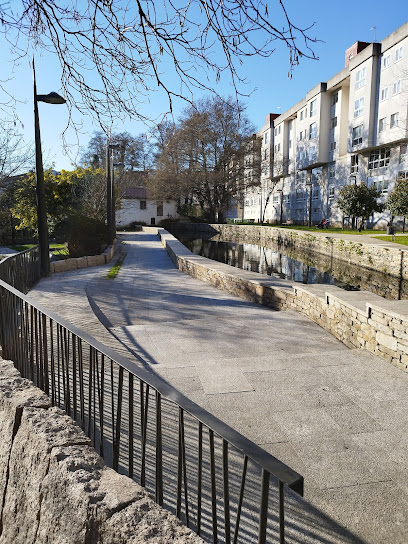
<point>114,199</point>
<point>51,98</point>
<point>109,193</point>
<point>310,185</point>
<point>280,192</point>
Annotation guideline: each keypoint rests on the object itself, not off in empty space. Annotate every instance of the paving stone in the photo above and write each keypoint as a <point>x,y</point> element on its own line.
<point>335,414</point>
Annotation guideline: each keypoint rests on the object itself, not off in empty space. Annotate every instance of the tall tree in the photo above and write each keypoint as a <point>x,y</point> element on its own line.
<point>359,201</point>
<point>202,162</point>
<point>114,53</point>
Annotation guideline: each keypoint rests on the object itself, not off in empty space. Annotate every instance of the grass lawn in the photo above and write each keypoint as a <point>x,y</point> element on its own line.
<point>403,239</point>
<point>330,229</point>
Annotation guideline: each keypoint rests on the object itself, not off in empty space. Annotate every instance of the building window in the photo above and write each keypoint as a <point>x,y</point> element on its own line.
<point>266,170</point>
<point>399,53</point>
<point>359,107</point>
<point>303,114</point>
<point>379,158</point>
<point>301,135</point>
<point>312,153</point>
<point>313,108</point>
<point>403,152</point>
<point>333,122</point>
<point>300,196</point>
<point>358,135</point>
<point>396,87</point>
<point>316,174</point>
<point>380,185</point>
<point>333,146</point>
<point>159,209</point>
<point>384,94</point>
<point>316,193</point>
<point>382,123</point>
<point>335,98</point>
<point>331,170</point>
<point>290,145</point>
<point>386,61</point>
<point>277,148</point>
<point>394,120</point>
<point>301,176</point>
<point>275,199</point>
<point>354,164</point>
<point>331,192</point>
<point>286,198</point>
<point>266,153</point>
<point>143,204</point>
<point>266,137</point>
<point>403,175</point>
<point>360,78</point>
<point>312,131</point>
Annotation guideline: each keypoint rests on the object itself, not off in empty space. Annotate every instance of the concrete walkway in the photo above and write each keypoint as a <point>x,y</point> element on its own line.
<point>337,416</point>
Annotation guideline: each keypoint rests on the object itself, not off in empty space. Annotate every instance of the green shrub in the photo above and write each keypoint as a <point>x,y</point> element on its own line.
<point>85,236</point>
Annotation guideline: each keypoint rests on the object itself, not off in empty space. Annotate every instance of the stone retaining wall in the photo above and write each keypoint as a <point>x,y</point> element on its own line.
<point>359,319</point>
<point>83,262</point>
<point>55,488</point>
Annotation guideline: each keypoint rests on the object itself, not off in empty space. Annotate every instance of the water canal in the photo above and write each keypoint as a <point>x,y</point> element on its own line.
<point>297,265</point>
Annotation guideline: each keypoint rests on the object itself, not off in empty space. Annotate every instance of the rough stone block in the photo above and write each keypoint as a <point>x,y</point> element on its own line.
<point>387,341</point>
<point>96,260</point>
<point>82,262</point>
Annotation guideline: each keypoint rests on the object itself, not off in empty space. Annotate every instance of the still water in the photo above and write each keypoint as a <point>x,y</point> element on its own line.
<point>298,265</point>
<point>264,261</point>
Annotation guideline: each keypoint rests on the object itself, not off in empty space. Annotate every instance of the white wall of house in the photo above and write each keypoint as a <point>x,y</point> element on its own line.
<point>148,211</point>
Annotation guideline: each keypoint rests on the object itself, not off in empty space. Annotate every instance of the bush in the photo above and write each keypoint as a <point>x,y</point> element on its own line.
<point>85,235</point>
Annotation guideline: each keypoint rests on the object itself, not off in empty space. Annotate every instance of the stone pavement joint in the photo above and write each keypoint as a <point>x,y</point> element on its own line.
<point>337,416</point>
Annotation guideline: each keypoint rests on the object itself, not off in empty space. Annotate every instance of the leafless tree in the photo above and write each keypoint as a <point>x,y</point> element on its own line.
<point>114,54</point>
<point>15,156</point>
<point>203,161</point>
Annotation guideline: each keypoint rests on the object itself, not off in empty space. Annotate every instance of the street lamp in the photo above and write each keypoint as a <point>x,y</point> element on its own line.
<point>51,98</point>
<point>115,164</point>
<point>280,192</point>
<point>309,183</point>
<point>109,193</point>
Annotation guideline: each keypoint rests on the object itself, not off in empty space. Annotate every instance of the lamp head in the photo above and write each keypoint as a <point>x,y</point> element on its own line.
<point>50,98</point>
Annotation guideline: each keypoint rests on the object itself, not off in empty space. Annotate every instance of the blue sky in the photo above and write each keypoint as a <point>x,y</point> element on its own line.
<point>337,25</point>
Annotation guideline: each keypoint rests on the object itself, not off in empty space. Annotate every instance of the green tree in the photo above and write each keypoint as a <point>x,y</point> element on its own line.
<point>81,191</point>
<point>397,201</point>
<point>359,201</point>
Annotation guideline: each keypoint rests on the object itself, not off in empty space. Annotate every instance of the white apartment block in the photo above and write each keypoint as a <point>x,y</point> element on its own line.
<point>351,129</point>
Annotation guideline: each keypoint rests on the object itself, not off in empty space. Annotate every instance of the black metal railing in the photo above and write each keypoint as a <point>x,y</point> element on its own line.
<point>220,484</point>
<point>22,270</point>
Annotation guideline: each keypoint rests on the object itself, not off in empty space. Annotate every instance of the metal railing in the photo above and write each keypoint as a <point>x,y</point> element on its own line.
<point>217,482</point>
<point>22,270</point>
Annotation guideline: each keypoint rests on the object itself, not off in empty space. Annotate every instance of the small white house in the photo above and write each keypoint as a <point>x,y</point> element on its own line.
<point>136,206</point>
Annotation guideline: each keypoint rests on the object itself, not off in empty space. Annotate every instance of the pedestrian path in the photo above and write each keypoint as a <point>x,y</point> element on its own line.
<point>337,416</point>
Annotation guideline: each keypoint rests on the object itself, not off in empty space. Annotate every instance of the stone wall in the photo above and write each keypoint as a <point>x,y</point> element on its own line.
<point>55,488</point>
<point>359,319</point>
<point>83,262</point>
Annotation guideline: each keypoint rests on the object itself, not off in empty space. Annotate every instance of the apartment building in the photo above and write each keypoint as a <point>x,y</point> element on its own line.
<point>349,129</point>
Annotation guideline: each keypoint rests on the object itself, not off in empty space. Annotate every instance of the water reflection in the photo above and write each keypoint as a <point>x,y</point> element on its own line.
<point>298,265</point>
<point>262,260</point>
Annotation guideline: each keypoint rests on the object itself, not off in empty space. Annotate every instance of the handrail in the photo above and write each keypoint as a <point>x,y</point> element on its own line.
<point>95,385</point>
<point>21,270</point>
<point>275,467</point>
